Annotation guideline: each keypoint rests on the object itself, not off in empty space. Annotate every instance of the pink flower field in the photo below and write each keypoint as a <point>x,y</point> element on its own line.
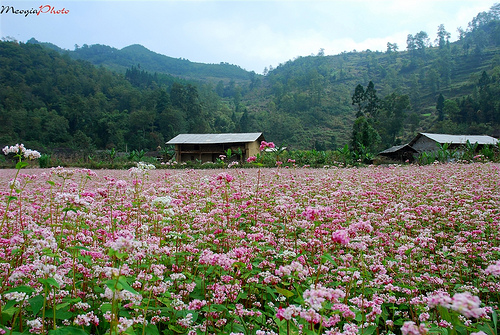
<point>375,250</point>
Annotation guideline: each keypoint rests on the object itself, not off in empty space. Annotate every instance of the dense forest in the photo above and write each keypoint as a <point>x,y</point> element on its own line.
<point>97,97</point>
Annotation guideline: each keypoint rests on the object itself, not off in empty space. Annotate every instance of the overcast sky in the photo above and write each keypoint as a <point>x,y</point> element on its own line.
<point>251,34</point>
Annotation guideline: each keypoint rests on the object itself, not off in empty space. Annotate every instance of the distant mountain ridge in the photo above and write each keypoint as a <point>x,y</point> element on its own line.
<point>120,60</point>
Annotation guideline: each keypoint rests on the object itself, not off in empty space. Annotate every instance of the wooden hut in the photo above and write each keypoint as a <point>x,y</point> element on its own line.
<point>209,147</point>
<point>400,153</point>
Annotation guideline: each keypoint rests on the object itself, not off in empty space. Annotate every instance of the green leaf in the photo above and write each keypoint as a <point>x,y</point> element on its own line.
<point>487,328</point>
<point>68,331</point>
<point>329,258</point>
<point>110,283</point>
<point>60,315</point>
<point>21,165</point>
<point>152,329</point>
<point>445,314</point>
<point>64,304</point>
<point>106,307</point>
<point>494,317</point>
<point>49,282</point>
<point>36,303</point>
<point>11,198</point>
<point>284,292</point>
<point>125,286</point>
<point>176,328</point>
<point>369,330</point>
<point>22,288</point>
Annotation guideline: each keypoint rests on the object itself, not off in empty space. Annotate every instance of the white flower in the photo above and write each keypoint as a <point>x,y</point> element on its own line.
<point>162,201</point>
<point>31,154</point>
<point>19,149</point>
<point>17,296</point>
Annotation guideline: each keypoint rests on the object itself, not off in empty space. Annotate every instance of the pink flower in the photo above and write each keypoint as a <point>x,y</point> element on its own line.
<point>264,145</point>
<point>225,176</point>
<point>493,269</point>
<point>279,313</point>
<point>467,305</point>
<point>340,236</point>
<point>251,159</point>
<point>439,298</point>
<point>410,328</point>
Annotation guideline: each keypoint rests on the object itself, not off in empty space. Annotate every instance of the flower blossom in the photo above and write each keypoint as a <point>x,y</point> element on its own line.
<point>265,145</point>
<point>410,328</point>
<point>19,149</point>
<point>315,296</point>
<point>493,269</point>
<point>340,236</point>
<point>467,305</point>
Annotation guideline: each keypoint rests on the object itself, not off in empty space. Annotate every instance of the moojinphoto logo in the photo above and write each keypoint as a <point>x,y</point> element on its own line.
<point>43,9</point>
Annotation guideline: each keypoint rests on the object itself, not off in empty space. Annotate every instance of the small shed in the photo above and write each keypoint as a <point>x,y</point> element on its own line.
<point>400,153</point>
<point>209,147</point>
<point>429,142</point>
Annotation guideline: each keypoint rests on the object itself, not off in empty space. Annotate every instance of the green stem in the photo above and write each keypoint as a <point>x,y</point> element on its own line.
<point>9,199</point>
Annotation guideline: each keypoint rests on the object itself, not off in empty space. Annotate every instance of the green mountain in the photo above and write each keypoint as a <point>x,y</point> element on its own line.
<point>137,55</point>
<point>97,96</point>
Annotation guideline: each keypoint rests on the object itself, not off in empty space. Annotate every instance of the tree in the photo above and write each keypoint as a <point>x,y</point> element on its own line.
<point>394,108</point>
<point>440,107</point>
<point>372,101</point>
<point>421,42</point>
<point>358,99</point>
<point>411,46</point>
<point>443,37</point>
<point>392,47</point>
<point>364,136</point>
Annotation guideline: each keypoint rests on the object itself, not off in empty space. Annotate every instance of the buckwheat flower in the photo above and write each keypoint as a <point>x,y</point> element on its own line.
<point>35,325</point>
<point>124,324</point>
<point>340,236</point>
<point>14,184</point>
<point>17,296</point>
<point>410,328</point>
<point>225,176</point>
<point>439,298</point>
<point>177,276</point>
<point>424,316</point>
<point>493,269</point>
<point>31,154</point>
<point>145,166</point>
<point>467,305</point>
<point>82,305</point>
<point>316,296</point>
<point>186,321</point>
<point>350,329</point>
<point>14,149</point>
<point>86,319</point>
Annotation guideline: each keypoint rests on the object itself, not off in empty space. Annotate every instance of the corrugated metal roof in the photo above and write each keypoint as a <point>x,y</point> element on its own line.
<point>215,138</point>
<point>456,139</point>
<point>461,139</point>
<point>397,148</point>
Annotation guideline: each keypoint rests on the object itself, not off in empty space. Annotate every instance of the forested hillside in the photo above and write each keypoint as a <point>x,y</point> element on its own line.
<point>50,100</point>
<point>136,99</point>
<point>310,99</point>
<point>120,60</point>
